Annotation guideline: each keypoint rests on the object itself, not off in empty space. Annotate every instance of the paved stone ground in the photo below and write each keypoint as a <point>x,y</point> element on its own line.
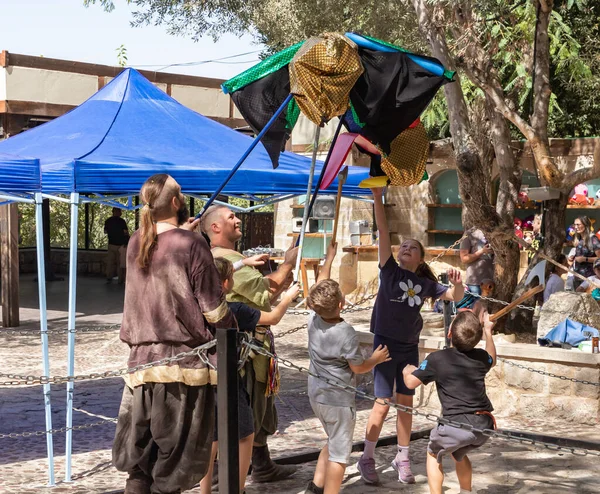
<point>499,466</point>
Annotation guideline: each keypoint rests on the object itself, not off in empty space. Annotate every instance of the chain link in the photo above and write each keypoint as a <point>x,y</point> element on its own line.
<point>15,435</point>
<point>448,249</point>
<point>85,329</point>
<point>549,374</point>
<point>348,310</point>
<point>507,435</point>
<point>290,331</point>
<point>17,380</point>
<point>495,300</point>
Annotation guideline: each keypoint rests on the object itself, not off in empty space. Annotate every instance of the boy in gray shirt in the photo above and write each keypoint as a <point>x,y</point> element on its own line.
<point>334,354</point>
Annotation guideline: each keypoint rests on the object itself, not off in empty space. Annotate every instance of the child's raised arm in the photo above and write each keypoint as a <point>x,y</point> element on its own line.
<point>457,291</point>
<point>490,346</point>
<point>385,244</point>
<point>273,317</point>
<point>325,271</point>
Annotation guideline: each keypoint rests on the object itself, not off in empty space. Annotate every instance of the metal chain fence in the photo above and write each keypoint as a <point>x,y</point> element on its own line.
<point>505,435</point>
<point>18,380</point>
<point>15,435</point>
<point>549,374</point>
<point>86,329</point>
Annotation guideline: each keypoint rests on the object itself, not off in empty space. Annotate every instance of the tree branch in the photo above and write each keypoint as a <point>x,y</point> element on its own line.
<point>536,132</point>
<point>541,87</point>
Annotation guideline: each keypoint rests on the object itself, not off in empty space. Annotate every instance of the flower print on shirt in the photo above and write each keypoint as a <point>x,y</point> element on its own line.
<point>411,292</point>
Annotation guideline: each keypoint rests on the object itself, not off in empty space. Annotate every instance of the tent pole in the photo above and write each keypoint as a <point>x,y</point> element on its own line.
<point>306,208</point>
<point>322,174</point>
<point>39,236</point>
<point>71,330</point>
<point>256,140</point>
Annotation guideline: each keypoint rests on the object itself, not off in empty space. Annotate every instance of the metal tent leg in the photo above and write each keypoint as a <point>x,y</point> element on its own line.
<point>71,329</point>
<point>39,235</point>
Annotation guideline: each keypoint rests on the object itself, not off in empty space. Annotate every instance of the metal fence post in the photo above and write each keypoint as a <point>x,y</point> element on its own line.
<point>227,403</point>
<point>447,313</point>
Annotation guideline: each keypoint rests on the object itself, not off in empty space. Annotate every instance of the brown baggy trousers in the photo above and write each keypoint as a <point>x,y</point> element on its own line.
<point>165,432</point>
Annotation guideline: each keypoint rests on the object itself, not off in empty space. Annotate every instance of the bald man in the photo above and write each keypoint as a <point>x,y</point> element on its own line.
<point>250,287</point>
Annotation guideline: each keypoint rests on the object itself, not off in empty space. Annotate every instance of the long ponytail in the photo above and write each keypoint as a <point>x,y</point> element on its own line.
<point>424,271</point>
<point>156,195</point>
<point>147,236</point>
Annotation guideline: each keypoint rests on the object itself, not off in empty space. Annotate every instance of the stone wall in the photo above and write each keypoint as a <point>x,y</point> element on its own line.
<point>89,262</point>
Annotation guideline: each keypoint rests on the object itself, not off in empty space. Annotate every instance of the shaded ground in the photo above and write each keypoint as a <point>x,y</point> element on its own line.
<point>499,466</point>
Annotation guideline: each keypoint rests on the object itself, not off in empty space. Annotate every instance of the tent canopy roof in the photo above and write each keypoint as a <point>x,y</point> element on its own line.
<point>130,130</point>
<point>18,174</point>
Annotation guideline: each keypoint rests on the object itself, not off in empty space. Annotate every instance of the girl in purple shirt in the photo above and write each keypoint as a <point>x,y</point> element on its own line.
<point>397,323</point>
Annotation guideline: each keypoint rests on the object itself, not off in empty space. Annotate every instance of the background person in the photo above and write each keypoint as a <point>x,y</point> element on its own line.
<point>118,233</point>
<point>555,282</point>
<point>592,281</point>
<point>587,249</point>
<point>478,257</point>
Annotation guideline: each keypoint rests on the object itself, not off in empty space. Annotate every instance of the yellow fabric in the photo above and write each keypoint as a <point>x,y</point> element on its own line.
<point>250,287</point>
<point>171,374</point>
<point>374,182</point>
<point>405,165</point>
<point>322,73</point>
<point>217,314</point>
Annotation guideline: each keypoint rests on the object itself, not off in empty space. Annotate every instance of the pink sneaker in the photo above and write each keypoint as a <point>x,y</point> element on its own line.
<point>405,474</point>
<point>366,468</point>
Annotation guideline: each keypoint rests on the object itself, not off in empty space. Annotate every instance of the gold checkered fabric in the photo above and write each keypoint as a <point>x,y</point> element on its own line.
<point>322,73</point>
<point>405,165</point>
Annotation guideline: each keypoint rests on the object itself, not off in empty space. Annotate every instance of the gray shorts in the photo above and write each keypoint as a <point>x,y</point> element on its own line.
<point>445,439</point>
<point>338,423</point>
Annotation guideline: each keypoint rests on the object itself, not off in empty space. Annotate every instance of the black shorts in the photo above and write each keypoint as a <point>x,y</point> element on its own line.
<point>388,373</point>
<point>245,416</point>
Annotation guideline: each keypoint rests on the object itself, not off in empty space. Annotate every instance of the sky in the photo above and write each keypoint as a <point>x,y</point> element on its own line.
<point>67,30</point>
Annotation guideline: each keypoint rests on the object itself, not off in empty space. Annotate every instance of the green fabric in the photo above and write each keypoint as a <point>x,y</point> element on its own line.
<point>425,176</point>
<point>355,116</point>
<point>262,69</point>
<point>448,74</point>
<point>263,406</point>
<point>292,114</point>
<point>249,285</point>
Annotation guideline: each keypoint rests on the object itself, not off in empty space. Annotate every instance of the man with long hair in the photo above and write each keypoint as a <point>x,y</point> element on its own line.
<point>173,302</point>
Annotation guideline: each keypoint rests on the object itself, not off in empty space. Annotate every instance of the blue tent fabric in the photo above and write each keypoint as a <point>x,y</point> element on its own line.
<point>130,130</point>
<point>18,174</point>
<point>568,334</point>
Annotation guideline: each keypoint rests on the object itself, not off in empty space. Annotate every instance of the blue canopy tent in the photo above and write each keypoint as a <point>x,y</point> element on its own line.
<point>130,130</point>
<point>109,145</point>
<point>20,181</point>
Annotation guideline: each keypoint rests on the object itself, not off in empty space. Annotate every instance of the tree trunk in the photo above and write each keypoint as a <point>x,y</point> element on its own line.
<point>507,252</point>
<point>554,235</point>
